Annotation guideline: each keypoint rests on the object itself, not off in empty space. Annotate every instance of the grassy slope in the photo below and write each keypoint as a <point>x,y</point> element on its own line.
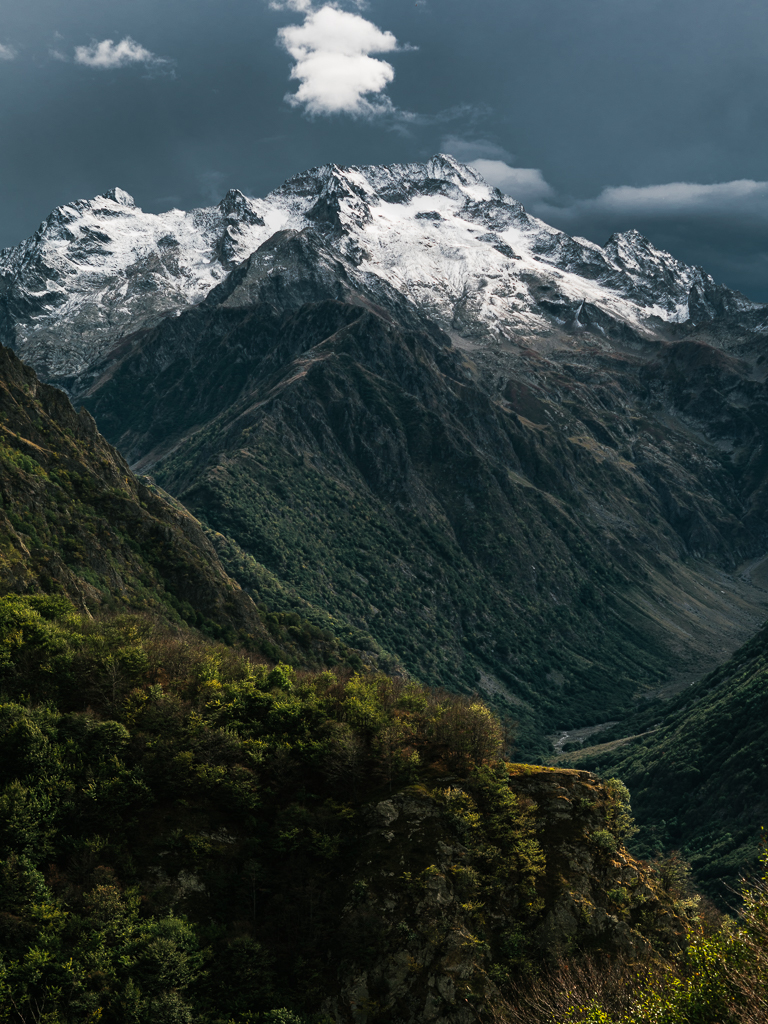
<point>74,520</point>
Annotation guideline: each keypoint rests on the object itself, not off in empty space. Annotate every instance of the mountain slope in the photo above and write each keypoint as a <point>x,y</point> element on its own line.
<point>488,540</point>
<point>699,774</point>
<point>75,521</point>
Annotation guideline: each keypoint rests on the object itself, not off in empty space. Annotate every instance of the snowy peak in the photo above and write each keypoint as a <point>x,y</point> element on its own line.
<point>372,185</point>
<point>98,269</point>
<point>682,291</point>
<point>633,253</point>
<point>436,236</point>
<point>447,168</point>
<point>239,214</point>
<point>117,195</point>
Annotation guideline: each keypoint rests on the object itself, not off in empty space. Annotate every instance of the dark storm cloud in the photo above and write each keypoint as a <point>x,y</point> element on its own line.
<point>599,114</point>
<point>721,226</point>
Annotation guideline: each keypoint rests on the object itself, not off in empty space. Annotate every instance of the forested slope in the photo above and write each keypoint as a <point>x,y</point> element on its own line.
<point>699,773</point>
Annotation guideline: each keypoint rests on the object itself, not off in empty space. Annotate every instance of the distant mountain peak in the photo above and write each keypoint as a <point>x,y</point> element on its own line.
<point>443,165</point>
<point>237,203</point>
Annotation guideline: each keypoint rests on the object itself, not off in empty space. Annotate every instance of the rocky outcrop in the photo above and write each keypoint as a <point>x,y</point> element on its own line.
<point>454,899</point>
<point>596,893</point>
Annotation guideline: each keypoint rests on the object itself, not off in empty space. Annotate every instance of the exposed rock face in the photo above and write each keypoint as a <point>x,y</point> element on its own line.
<point>432,947</point>
<point>610,899</point>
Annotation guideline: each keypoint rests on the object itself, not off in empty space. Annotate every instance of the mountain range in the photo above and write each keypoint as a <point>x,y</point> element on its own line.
<point>435,235</point>
<point>504,458</point>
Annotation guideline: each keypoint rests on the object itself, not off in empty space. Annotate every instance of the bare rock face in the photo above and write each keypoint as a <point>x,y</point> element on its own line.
<point>610,899</point>
<point>459,890</point>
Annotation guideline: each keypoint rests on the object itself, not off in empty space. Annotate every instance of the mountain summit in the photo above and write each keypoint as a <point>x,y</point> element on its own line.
<point>436,234</point>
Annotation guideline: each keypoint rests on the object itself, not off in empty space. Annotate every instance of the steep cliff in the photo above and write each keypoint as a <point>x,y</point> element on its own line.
<point>461,889</point>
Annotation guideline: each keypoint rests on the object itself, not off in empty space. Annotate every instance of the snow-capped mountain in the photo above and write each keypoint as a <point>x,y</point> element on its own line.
<point>434,234</point>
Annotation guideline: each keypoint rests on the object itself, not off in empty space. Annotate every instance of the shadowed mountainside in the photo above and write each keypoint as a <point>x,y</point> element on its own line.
<point>553,529</point>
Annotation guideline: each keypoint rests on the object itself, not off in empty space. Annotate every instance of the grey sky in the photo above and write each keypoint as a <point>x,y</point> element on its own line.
<point>581,107</point>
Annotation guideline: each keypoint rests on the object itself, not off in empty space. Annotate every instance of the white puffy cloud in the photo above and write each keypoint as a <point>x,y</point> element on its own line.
<point>526,184</point>
<point>333,66</point>
<point>7,52</point>
<point>109,54</point>
<point>303,6</point>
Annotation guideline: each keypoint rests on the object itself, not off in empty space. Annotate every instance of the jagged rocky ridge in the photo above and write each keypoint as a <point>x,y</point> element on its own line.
<point>435,234</point>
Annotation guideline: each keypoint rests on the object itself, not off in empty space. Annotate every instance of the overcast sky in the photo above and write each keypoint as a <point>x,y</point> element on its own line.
<point>599,115</point>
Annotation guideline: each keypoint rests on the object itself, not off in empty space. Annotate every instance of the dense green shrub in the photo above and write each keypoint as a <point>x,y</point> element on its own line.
<point>175,813</point>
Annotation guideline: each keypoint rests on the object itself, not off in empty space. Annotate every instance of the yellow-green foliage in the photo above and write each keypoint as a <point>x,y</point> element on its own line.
<point>720,979</point>
<point>19,460</point>
<point>175,813</point>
